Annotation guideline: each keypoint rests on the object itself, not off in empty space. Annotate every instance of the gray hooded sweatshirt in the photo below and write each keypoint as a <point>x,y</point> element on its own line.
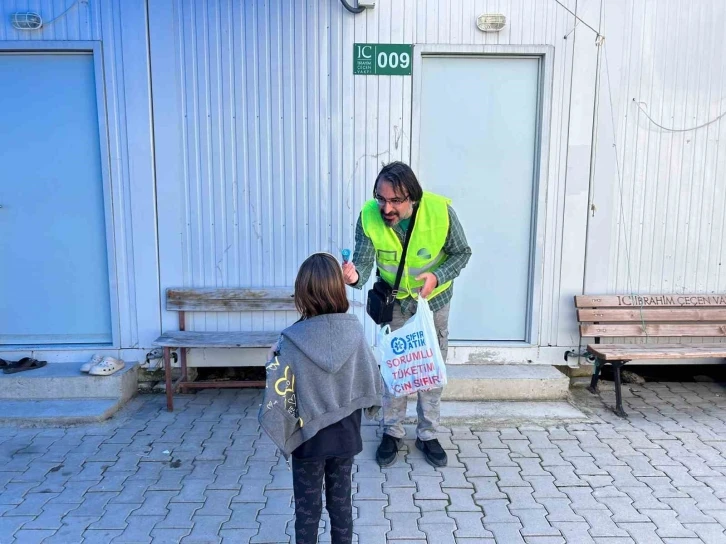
<point>324,372</point>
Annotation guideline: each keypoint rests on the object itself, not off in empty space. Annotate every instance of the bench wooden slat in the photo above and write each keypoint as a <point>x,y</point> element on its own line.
<point>229,300</point>
<point>654,329</point>
<point>652,314</point>
<point>625,301</point>
<point>632,352</point>
<point>195,339</point>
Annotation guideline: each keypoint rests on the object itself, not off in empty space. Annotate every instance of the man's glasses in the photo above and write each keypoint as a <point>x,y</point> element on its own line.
<point>392,201</point>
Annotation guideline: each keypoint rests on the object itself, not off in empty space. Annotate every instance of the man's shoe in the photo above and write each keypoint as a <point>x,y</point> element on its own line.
<point>432,450</point>
<point>387,452</point>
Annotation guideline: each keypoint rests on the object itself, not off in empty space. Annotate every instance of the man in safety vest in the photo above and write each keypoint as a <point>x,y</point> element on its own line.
<point>436,254</point>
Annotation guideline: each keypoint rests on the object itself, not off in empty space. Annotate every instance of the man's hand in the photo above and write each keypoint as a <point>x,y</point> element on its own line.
<point>350,274</point>
<point>430,283</point>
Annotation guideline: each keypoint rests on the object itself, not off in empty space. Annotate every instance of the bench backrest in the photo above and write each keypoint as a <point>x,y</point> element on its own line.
<point>230,300</point>
<point>652,315</point>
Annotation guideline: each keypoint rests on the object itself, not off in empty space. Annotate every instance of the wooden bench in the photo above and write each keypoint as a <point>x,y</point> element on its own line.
<point>649,316</point>
<point>217,300</point>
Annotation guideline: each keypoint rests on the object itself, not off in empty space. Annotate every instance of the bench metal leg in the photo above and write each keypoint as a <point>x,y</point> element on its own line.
<point>595,376</point>
<point>183,368</point>
<point>167,377</point>
<point>617,365</point>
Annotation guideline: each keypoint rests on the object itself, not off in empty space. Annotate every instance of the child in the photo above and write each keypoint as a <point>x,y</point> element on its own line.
<point>320,374</point>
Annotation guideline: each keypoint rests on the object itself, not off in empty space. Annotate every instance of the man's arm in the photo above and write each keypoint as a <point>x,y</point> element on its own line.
<point>364,255</point>
<point>456,248</point>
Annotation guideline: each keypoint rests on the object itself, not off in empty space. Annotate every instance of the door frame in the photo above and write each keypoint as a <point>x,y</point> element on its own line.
<point>545,55</point>
<point>93,47</point>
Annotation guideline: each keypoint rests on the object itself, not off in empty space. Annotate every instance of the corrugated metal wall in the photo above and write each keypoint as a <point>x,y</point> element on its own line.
<point>268,145</point>
<point>662,199</point>
<point>122,29</point>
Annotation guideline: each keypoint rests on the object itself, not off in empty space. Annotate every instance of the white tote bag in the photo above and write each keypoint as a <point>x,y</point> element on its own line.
<point>410,357</point>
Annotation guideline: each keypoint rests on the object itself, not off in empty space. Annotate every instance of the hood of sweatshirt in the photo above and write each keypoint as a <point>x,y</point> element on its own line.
<point>327,340</point>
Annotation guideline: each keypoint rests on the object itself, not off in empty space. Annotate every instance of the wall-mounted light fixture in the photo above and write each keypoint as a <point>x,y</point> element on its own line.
<point>26,21</point>
<point>29,20</point>
<point>491,22</point>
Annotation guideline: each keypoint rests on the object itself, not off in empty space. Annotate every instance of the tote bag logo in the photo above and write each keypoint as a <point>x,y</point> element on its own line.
<point>398,345</point>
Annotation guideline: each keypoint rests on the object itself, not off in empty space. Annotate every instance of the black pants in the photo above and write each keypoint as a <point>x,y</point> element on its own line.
<point>307,481</point>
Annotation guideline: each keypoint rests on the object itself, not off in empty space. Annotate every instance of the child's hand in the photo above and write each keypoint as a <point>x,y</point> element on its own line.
<point>272,351</point>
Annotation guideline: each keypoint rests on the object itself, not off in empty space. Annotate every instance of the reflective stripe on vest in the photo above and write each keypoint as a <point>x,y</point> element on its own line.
<point>425,249</point>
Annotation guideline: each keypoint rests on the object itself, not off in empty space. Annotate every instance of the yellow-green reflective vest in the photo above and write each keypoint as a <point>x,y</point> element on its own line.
<point>425,249</point>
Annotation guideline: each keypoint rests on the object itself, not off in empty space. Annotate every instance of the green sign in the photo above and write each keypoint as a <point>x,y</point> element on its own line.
<point>382,59</point>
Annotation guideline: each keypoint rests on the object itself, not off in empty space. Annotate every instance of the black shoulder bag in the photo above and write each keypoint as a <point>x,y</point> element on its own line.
<point>382,297</point>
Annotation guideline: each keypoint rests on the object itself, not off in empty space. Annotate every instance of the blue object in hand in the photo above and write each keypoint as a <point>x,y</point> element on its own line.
<point>346,255</point>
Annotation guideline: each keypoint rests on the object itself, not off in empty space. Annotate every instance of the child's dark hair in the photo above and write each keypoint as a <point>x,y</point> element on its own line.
<point>319,287</point>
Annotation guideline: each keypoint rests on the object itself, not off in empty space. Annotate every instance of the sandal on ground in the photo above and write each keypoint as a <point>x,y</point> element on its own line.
<point>106,367</point>
<point>26,363</point>
<point>96,359</point>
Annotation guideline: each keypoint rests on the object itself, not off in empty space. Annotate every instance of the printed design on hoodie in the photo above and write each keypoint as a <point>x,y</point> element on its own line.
<point>285,388</point>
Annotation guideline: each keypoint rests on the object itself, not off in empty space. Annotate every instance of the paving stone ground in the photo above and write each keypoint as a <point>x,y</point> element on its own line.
<point>205,474</point>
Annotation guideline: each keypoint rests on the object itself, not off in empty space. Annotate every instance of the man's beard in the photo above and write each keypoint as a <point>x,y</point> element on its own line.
<point>392,219</point>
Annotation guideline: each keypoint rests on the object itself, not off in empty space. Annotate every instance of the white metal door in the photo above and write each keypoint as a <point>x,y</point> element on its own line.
<point>478,124</point>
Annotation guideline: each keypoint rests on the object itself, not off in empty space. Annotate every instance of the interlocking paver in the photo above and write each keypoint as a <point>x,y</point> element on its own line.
<point>371,534</point>
<point>429,488</point>
<point>544,487</point>
<point>470,525</point>
<point>601,523</point>
<point>404,526</point>
<point>497,511</point>
<point>138,528</point>
<point>244,515</point>
<point>72,530</point>
<point>180,515</point>
<point>252,489</point>
<point>642,532</point>
<point>206,528</point>
<point>171,535</point>
<point>272,529</point>
<point>14,493</point>
<point>687,511</point>
<point>398,477</point>
<point>52,516</point>
<point>476,468</point>
<point>623,511</point>
<point>574,531</point>
<point>400,499</point>
<point>436,506</point>
<point>443,534</point>
<point>667,524</point>
<point>218,502</point>
<point>534,521</point>
<point>486,489</point>
<point>114,518</point>
<point>9,526</point>
<point>93,506</point>
<point>709,533</point>
<point>234,536</point>
<point>560,510</point>
<point>370,489</point>
<point>505,532</point>
<point>32,504</point>
<point>369,512</point>
<point>462,500</point>
<point>454,477</point>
